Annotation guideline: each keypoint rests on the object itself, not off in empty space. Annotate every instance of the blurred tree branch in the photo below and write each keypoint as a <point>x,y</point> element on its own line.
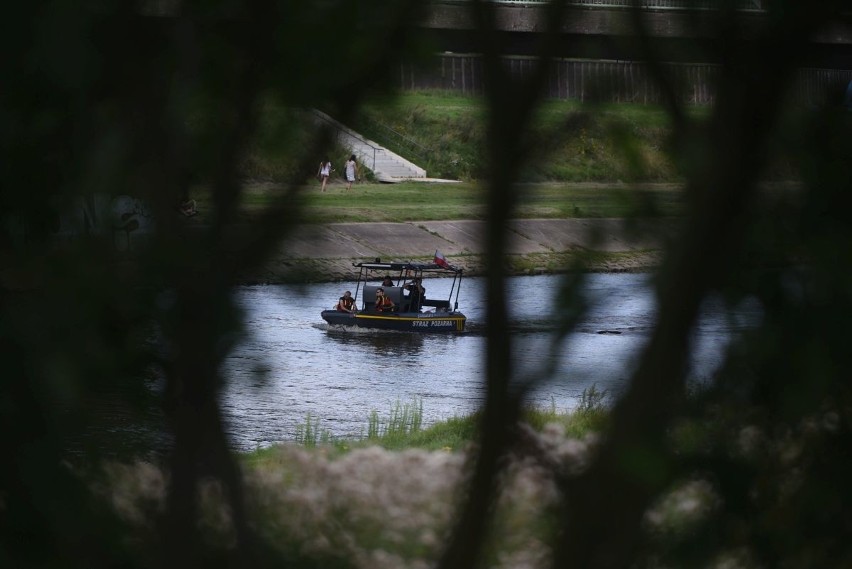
<point>510,103</point>
<point>168,99</point>
<point>604,506</point>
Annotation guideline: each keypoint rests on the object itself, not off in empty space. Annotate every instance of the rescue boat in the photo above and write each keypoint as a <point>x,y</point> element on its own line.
<point>410,313</point>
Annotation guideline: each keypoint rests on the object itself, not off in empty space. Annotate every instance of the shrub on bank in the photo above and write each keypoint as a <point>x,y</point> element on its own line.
<point>368,507</point>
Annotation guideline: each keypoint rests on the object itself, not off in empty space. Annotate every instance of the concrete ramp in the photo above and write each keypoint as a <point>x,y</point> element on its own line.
<point>386,166</point>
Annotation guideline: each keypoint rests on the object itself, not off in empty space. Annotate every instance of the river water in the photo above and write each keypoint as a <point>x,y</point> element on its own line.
<point>291,365</point>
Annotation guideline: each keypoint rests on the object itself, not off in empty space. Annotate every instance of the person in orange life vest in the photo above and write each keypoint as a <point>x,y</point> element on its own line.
<point>383,303</point>
<point>346,303</point>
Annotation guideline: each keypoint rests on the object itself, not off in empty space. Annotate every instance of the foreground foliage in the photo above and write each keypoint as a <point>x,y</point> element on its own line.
<point>360,504</point>
<point>109,101</point>
<point>386,502</point>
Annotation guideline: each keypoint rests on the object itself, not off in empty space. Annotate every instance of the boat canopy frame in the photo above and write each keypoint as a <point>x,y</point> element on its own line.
<point>407,272</point>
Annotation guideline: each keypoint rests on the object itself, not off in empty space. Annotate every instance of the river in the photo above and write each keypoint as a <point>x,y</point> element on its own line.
<point>291,365</point>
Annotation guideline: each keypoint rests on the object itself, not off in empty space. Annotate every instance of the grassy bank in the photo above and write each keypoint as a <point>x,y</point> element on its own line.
<point>402,428</point>
<point>367,506</point>
<point>416,201</point>
<point>446,133</point>
<point>387,500</point>
<point>570,142</point>
<point>584,161</point>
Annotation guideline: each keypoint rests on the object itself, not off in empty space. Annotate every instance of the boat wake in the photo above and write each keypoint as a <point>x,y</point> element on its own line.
<point>339,329</point>
<point>544,326</point>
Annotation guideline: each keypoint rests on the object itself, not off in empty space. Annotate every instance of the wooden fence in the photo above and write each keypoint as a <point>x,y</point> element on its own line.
<point>611,81</point>
<point>654,4</point>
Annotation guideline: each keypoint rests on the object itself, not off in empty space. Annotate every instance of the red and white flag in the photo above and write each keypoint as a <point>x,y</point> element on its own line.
<point>440,260</point>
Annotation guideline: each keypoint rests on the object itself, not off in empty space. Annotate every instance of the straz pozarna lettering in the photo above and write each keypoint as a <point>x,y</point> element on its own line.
<point>433,323</point>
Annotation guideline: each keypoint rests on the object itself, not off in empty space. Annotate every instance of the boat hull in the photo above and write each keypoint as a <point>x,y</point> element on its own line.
<point>450,322</point>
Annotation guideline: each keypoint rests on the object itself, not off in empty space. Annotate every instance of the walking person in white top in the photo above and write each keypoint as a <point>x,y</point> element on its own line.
<point>324,172</point>
<point>351,171</point>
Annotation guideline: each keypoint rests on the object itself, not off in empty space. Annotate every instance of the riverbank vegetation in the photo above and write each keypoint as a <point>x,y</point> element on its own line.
<point>585,161</point>
<point>445,134</point>
<point>585,176</point>
<point>402,427</point>
<point>570,142</point>
<point>385,500</point>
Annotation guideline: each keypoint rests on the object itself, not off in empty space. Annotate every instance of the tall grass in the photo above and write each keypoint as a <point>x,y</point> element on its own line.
<point>402,427</point>
<point>592,400</point>
<point>590,414</point>
<point>404,419</point>
<point>310,435</point>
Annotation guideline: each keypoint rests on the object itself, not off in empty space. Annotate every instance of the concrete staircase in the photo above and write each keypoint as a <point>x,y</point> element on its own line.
<point>386,166</point>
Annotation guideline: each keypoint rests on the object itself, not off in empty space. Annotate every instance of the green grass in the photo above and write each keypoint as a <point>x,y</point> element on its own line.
<point>405,420</point>
<point>448,435</point>
<point>603,162</point>
<point>402,428</point>
<point>569,142</point>
<point>591,414</point>
<point>417,201</point>
<point>310,434</point>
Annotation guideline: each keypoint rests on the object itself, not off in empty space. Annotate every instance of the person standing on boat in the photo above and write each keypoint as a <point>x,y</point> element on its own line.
<point>383,303</point>
<point>346,303</point>
<point>387,281</point>
<point>416,294</point>
<point>351,171</point>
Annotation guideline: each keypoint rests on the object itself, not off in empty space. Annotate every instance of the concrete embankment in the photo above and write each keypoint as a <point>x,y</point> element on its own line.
<point>326,252</point>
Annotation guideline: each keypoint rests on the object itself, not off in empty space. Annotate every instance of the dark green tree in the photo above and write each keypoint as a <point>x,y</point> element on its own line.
<point>146,99</point>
